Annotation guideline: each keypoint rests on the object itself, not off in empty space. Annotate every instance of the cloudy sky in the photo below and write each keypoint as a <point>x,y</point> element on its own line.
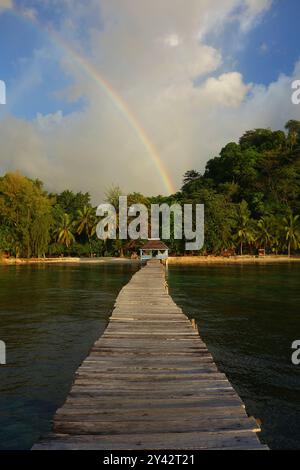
<point>136,92</point>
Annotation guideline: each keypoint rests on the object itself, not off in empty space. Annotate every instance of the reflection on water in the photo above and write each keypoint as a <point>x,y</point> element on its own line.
<point>249,316</point>
<point>50,315</point>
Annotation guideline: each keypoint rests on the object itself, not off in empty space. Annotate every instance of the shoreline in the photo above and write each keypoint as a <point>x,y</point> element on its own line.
<point>172,260</point>
<point>66,260</point>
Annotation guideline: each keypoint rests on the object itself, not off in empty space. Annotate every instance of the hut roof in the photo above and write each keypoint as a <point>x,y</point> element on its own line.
<point>154,244</point>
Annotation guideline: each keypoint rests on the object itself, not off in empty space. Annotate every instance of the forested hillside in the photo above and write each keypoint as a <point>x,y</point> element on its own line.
<point>251,193</point>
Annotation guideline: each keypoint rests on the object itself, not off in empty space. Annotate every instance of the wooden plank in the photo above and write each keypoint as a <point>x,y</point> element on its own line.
<point>155,414</point>
<point>187,441</point>
<point>182,425</point>
<point>150,383</point>
<point>214,400</point>
<point>149,377</point>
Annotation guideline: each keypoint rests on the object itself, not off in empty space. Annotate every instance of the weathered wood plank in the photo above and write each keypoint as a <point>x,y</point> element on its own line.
<point>74,427</point>
<point>150,383</point>
<point>85,413</point>
<point>187,440</point>
<point>215,400</point>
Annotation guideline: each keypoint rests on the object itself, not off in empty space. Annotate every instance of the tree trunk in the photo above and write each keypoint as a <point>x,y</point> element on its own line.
<point>289,249</point>
<point>241,249</point>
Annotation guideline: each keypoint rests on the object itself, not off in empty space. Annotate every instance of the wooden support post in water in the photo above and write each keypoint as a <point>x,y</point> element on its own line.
<point>194,324</point>
<point>149,382</point>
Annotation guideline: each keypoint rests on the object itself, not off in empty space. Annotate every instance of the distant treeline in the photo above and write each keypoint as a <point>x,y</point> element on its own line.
<point>251,193</point>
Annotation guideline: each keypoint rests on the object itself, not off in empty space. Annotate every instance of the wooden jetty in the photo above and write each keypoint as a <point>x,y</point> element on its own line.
<point>150,383</point>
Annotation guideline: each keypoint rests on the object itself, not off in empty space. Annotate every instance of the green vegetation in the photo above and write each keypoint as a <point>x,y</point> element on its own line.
<point>257,181</point>
<point>251,193</point>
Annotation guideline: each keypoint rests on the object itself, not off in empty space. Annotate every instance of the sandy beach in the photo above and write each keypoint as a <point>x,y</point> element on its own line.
<point>68,260</point>
<point>172,260</point>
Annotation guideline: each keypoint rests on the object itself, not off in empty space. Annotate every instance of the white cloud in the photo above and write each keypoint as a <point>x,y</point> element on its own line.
<point>228,89</point>
<point>255,7</point>
<point>173,40</point>
<point>253,12</point>
<point>152,53</point>
<point>22,148</point>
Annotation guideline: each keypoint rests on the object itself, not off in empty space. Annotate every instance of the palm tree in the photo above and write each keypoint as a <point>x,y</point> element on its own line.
<point>64,231</point>
<point>112,197</point>
<point>244,228</point>
<point>277,234</point>
<point>264,232</point>
<point>86,223</point>
<point>292,232</point>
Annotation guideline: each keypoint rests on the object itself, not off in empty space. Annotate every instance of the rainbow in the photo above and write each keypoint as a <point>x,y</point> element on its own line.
<point>114,97</point>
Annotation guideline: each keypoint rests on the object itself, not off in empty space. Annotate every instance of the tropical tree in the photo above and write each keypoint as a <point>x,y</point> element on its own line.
<point>263,139</point>
<point>64,231</point>
<point>25,211</point>
<point>264,233</point>
<point>71,202</point>
<point>292,232</point>
<point>190,176</point>
<point>244,226</point>
<point>293,128</point>
<point>276,233</point>
<point>112,197</point>
<point>86,223</point>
